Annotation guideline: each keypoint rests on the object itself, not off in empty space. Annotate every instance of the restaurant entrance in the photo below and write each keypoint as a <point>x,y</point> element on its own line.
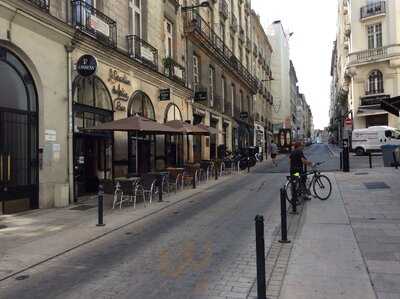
<point>93,151</point>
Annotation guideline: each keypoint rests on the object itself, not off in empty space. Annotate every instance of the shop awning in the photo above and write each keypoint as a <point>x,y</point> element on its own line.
<point>186,128</point>
<point>137,124</point>
<point>391,105</point>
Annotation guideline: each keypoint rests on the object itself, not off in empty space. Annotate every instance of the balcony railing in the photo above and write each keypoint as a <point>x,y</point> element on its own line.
<point>142,51</point>
<point>373,54</point>
<point>373,9</point>
<point>41,4</point>
<point>174,70</point>
<point>223,9</point>
<point>234,23</point>
<point>198,28</point>
<point>94,23</point>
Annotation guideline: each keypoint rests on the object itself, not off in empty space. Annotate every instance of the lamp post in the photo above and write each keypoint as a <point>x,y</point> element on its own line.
<point>188,8</point>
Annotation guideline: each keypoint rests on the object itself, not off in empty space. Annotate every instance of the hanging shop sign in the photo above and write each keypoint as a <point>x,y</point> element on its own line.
<point>244,115</point>
<point>86,65</point>
<point>165,94</point>
<point>200,96</point>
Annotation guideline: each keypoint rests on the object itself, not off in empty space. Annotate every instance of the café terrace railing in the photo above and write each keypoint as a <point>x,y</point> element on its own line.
<point>197,27</point>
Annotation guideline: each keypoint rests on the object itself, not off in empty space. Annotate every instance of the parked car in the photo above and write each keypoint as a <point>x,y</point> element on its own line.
<point>371,139</point>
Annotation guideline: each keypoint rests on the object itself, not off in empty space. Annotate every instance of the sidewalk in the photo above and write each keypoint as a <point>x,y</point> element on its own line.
<point>349,245</point>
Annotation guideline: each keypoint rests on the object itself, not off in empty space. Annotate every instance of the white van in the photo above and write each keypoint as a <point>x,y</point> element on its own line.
<point>372,138</point>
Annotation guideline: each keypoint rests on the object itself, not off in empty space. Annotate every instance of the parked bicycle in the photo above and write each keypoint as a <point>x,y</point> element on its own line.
<point>303,184</point>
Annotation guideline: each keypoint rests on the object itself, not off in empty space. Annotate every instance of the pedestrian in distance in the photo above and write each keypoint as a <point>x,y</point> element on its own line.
<point>297,163</point>
<point>274,153</point>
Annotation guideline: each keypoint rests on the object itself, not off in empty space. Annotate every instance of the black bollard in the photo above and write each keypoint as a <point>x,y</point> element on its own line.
<point>370,160</point>
<point>396,163</point>
<point>100,206</point>
<point>260,253</point>
<point>194,181</point>
<point>341,160</point>
<point>346,156</point>
<point>216,172</point>
<point>283,217</point>
<point>248,165</point>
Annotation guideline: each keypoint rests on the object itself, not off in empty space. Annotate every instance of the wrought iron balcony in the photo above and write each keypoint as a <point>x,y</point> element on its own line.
<point>198,29</point>
<point>94,23</point>
<point>223,9</point>
<point>41,4</point>
<point>373,9</point>
<point>174,70</point>
<point>142,51</point>
<point>234,23</point>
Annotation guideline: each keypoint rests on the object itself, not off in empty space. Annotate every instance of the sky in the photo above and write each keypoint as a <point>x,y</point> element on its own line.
<point>313,23</point>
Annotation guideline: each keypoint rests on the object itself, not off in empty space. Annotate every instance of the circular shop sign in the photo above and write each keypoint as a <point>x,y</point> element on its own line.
<point>86,65</point>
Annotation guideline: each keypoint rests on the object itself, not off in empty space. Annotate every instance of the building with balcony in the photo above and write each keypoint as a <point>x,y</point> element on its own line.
<point>367,60</point>
<point>261,69</point>
<point>282,108</point>
<point>219,64</point>
<point>139,53</point>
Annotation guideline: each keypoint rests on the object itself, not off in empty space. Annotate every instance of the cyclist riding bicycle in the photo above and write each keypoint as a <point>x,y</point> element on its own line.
<point>297,163</point>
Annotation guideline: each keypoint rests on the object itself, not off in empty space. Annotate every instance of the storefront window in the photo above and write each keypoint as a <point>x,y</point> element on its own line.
<point>91,91</point>
<point>141,104</point>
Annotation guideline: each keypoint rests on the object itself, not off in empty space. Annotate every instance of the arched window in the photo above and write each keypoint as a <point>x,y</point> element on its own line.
<point>173,113</point>
<point>17,87</point>
<point>375,82</point>
<point>141,104</point>
<point>91,91</point>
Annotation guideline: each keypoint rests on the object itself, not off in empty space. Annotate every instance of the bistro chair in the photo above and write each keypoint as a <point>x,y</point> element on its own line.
<point>149,185</point>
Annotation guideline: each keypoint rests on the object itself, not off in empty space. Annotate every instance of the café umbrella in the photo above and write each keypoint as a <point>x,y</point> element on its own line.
<point>136,124</point>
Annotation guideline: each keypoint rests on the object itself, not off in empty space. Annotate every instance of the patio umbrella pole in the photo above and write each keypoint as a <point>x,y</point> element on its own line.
<point>188,147</point>
<point>136,156</point>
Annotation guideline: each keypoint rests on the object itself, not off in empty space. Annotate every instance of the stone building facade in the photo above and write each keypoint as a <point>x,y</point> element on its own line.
<point>366,61</point>
<point>261,69</point>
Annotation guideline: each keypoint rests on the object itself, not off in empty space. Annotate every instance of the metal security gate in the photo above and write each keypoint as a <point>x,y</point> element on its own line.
<point>18,161</point>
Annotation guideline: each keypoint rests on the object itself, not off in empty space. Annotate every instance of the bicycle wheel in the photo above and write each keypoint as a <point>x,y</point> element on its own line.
<point>322,187</point>
<point>290,188</point>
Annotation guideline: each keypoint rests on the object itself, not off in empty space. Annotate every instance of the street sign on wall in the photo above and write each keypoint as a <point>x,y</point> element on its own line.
<point>165,94</point>
<point>348,124</point>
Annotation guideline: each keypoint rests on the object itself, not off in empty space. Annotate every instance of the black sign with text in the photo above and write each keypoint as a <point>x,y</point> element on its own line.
<point>200,96</point>
<point>244,115</point>
<point>86,65</point>
<point>165,94</point>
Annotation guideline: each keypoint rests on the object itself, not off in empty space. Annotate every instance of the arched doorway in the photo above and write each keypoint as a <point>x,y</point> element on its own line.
<point>173,143</point>
<point>141,104</point>
<point>93,152</point>
<point>18,135</point>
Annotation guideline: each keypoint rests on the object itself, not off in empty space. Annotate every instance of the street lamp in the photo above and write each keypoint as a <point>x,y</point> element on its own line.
<point>203,4</point>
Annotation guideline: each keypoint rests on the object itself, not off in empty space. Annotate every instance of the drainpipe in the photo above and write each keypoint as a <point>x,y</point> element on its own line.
<point>69,49</point>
